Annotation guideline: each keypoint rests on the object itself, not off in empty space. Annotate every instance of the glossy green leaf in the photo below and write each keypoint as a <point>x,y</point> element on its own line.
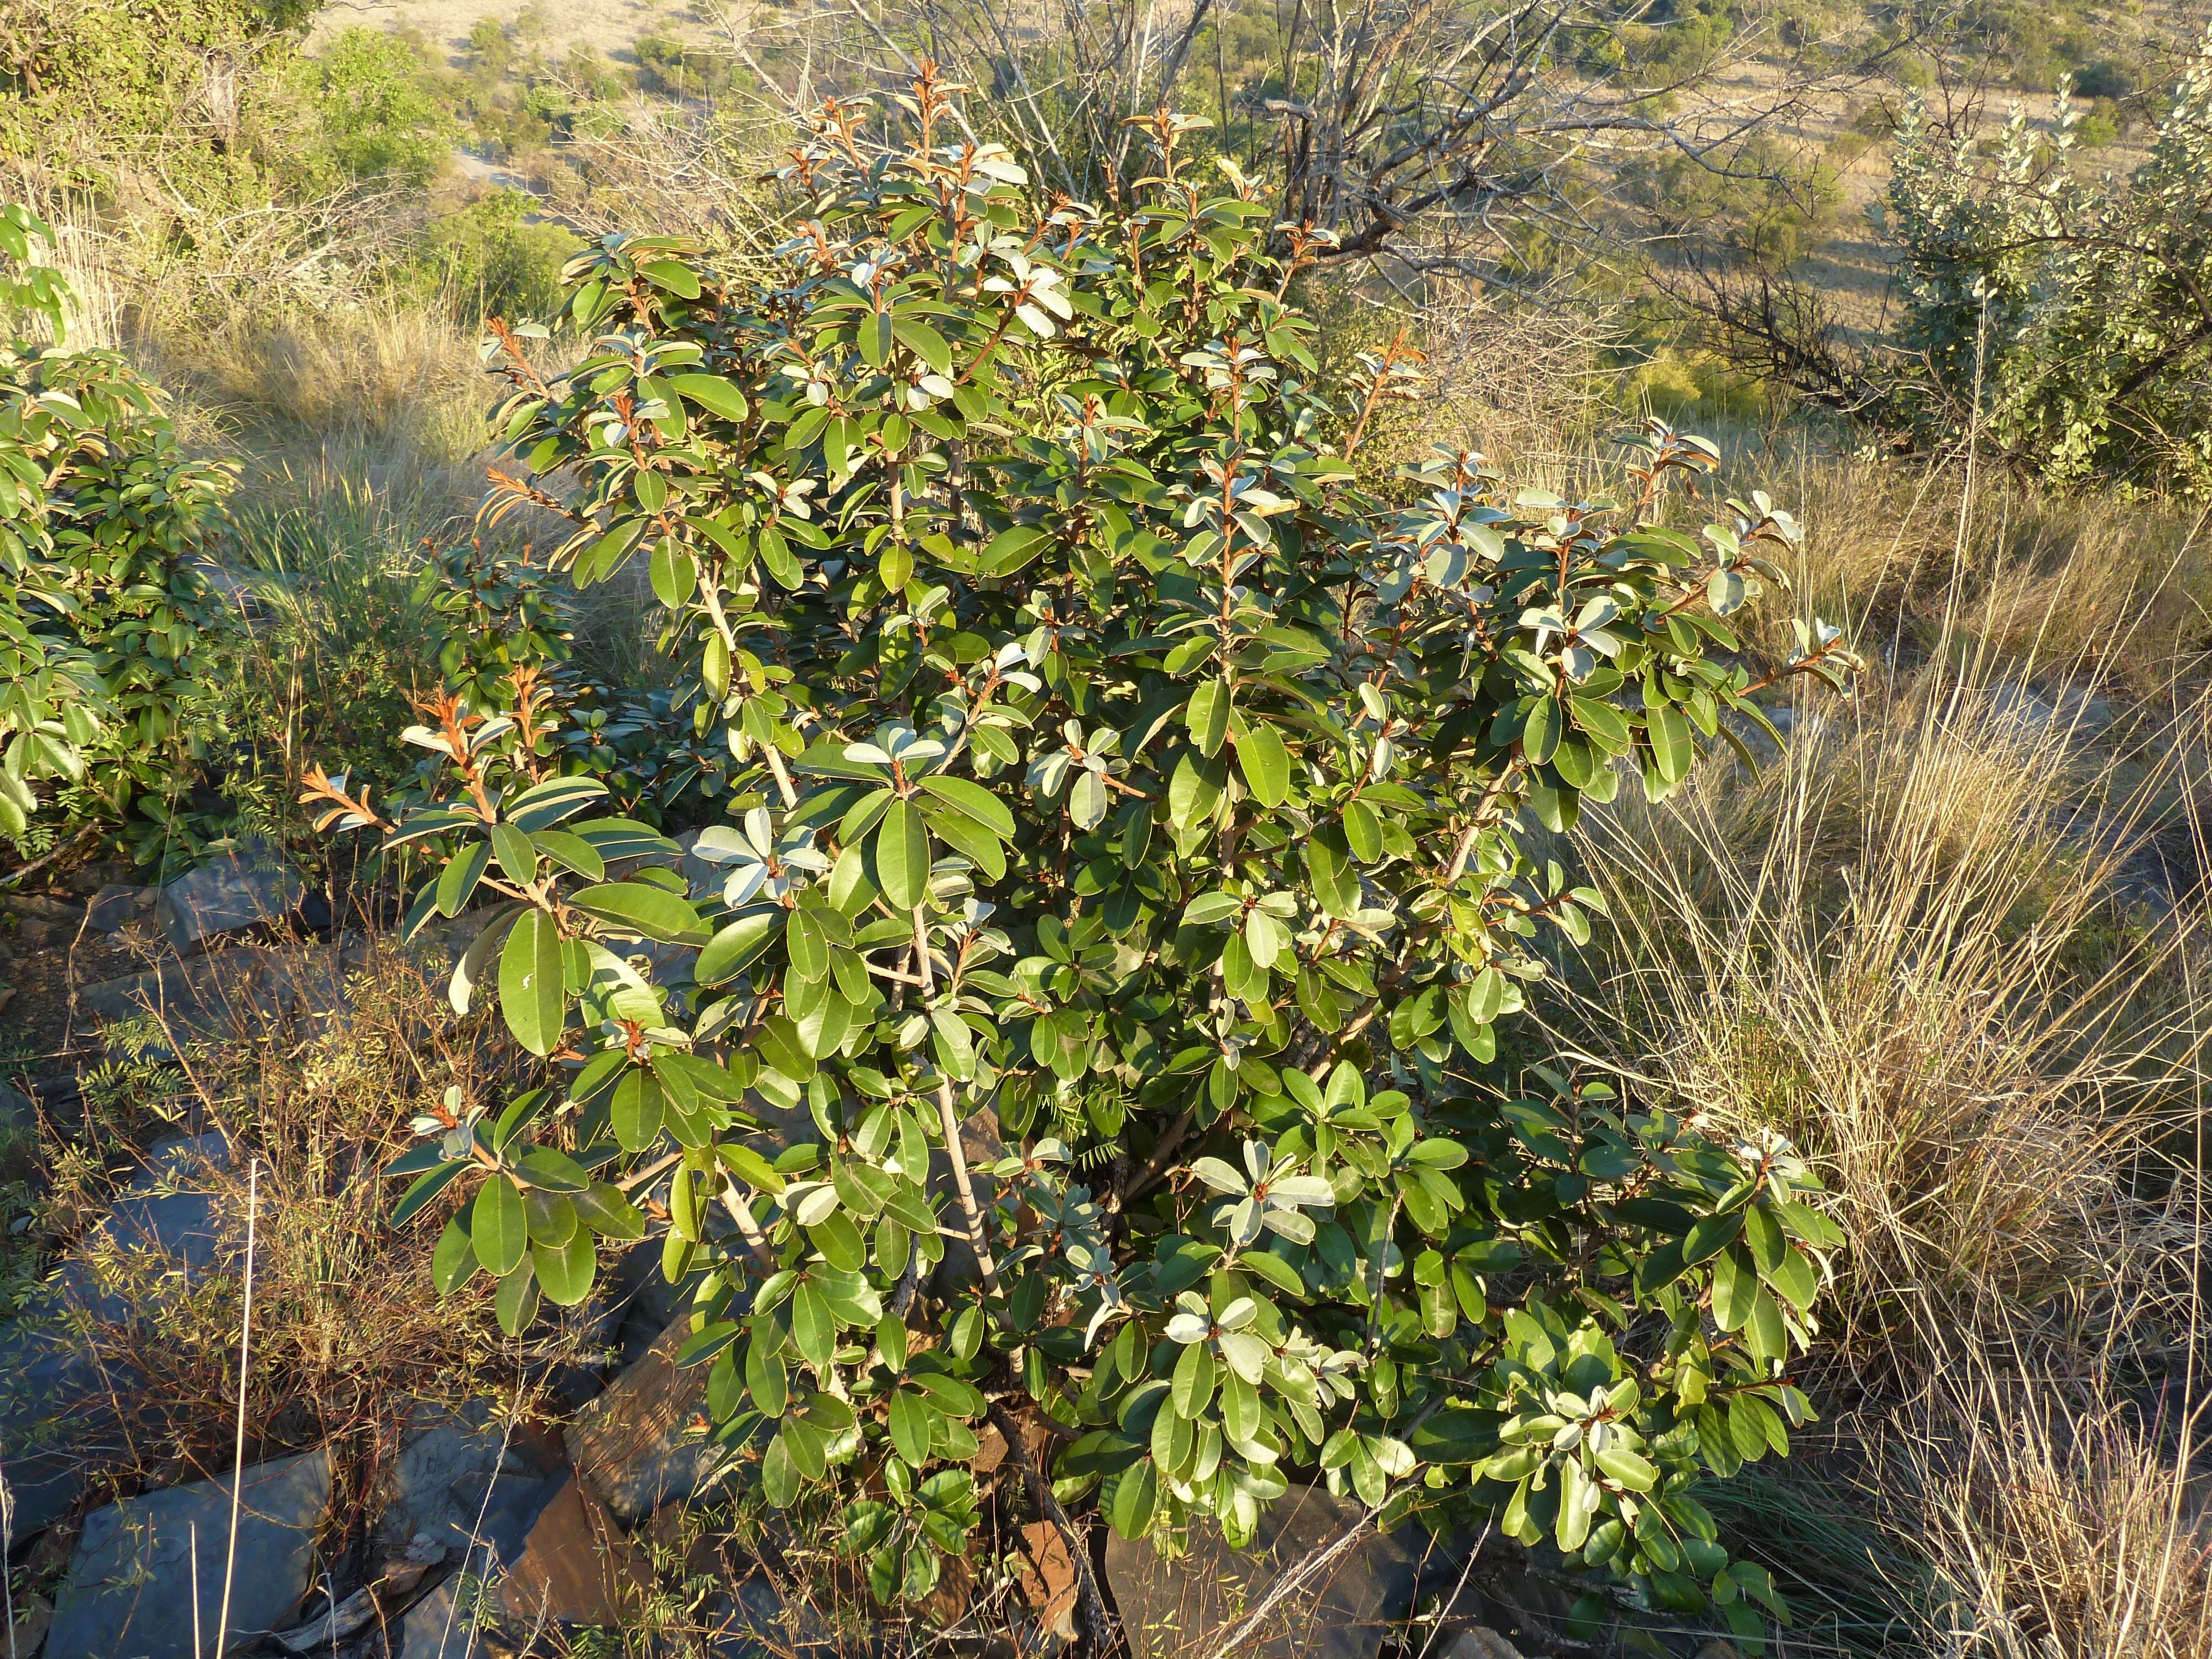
<point>498,1226</point>
<point>532,993</point>
<point>901,849</point>
<point>1265,762</point>
<point>456,883</point>
<point>454,1262</point>
<point>712,393</point>
<point>643,910</point>
<point>813,1326</point>
<point>517,858</point>
<point>565,1272</point>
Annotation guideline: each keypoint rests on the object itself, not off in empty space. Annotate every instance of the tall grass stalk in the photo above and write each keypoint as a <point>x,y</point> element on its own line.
<point>1951,944</point>
<point>245,1361</point>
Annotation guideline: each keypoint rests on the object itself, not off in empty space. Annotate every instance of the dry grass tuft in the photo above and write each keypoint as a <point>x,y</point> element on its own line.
<point>2056,1525</point>
<point>347,1331</point>
<point>2016,581</point>
<point>1953,944</point>
<point>368,375</point>
<point>1897,947</point>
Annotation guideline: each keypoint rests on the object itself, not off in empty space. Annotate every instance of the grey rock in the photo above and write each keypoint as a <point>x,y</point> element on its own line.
<point>34,1617</point>
<point>543,1552</point>
<point>2071,711</point>
<point>432,1630</point>
<point>36,907</point>
<point>237,890</point>
<point>336,1624</point>
<point>19,1113</point>
<point>114,906</point>
<point>1349,1611</point>
<point>143,1565</point>
<point>56,1430</point>
<point>449,1464</point>
<point>231,993</point>
<point>753,1622</point>
<point>443,1624</point>
<point>576,1567</point>
<point>167,1216</point>
<point>58,1425</point>
<point>1481,1643</point>
<point>645,1299</point>
<point>635,1446</point>
<point>498,1512</point>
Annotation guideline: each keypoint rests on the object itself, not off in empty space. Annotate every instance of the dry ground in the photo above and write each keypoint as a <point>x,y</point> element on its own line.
<point>609,27</point>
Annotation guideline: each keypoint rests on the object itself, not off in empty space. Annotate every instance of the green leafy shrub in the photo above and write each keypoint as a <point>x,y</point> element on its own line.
<point>51,706</point>
<point>380,118</point>
<point>1095,1001</point>
<point>499,616</point>
<point>2061,316</point>
<point>113,629</point>
<point>509,641</point>
<point>486,261</point>
<point>681,70</point>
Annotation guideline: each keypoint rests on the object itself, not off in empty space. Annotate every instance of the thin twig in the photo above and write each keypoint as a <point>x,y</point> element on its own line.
<point>630,1183</point>
<point>949,1118</point>
<point>741,1212</point>
<point>1148,1176</point>
<point>245,1358</point>
<point>7,1545</point>
<point>15,878</point>
<point>1099,1623</point>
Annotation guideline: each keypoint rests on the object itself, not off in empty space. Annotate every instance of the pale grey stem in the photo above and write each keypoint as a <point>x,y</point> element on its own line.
<point>949,1118</point>
<point>244,1357</point>
<point>748,1229</point>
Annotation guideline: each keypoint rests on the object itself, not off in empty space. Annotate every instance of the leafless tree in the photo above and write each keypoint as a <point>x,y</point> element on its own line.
<point>1431,134</point>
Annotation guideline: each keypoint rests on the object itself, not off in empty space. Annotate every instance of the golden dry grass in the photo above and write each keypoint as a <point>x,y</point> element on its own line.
<point>2055,1523</point>
<point>1952,943</point>
<point>380,375</point>
<point>346,1333</point>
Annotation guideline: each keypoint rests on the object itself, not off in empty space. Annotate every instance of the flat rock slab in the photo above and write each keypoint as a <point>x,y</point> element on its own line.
<point>115,906</point>
<point>1348,1611</point>
<point>576,1568</point>
<point>19,1113</point>
<point>56,1429</point>
<point>237,890</point>
<point>753,1622</point>
<point>231,993</point>
<point>636,1446</point>
<point>457,1479</point>
<point>439,1627</point>
<point>144,1564</point>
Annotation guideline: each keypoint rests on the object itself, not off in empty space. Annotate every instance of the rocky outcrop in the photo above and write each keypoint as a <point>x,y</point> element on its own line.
<point>642,1444</point>
<point>148,1576</point>
<point>58,1429</point>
